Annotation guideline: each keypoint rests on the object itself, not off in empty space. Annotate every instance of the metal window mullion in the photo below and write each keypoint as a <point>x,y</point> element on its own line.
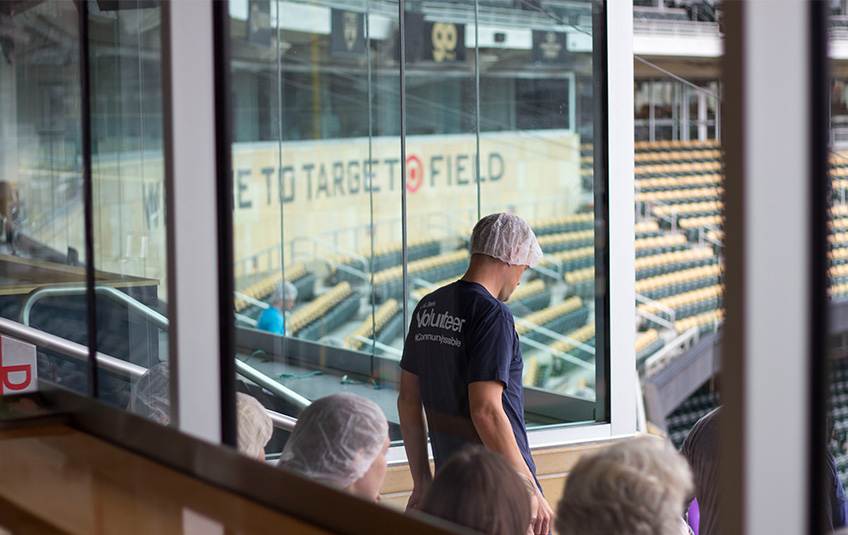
<point>775,264</point>
<point>621,214</point>
<point>88,194</point>
<point>192,214</point>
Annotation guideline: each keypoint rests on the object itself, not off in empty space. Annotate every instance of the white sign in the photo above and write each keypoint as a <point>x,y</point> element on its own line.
<point>18,369</point>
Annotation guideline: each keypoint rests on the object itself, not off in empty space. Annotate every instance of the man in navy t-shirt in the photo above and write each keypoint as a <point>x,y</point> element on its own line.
<point>462,363</point>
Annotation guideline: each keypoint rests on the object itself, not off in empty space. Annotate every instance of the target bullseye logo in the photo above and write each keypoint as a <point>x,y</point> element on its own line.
<point>414,173</point>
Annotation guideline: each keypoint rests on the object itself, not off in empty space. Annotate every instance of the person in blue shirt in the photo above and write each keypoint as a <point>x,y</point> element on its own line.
<point>273,318</point>
<point>462,365</point>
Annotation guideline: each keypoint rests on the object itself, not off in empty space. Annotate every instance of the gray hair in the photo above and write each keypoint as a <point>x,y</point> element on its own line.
<point>634,487</point>
<point>284,291</point>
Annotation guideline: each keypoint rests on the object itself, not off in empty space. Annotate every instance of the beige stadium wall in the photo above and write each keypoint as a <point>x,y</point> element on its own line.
<point>326,188</point>
<point>552,468</point>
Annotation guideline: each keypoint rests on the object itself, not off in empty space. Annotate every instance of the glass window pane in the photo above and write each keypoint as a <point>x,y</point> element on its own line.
<point>41,189</point>
<point>130,255</point>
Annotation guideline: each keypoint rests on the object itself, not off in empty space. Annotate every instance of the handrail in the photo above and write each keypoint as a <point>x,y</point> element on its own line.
<point>272,386</point>
<point>281,421</point>
<point>160,321</point>
<point>107,291</point>
<point>251,300</point>
<point>69,348</point>
<point>107,362</point>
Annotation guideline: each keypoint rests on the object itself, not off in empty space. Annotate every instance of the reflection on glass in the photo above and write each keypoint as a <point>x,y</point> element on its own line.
<point>318,178</point>
<point>127,175</point>
<point>41,192</point>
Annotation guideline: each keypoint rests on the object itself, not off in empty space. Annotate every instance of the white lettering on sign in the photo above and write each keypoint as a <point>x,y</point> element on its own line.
<point>18,369</point>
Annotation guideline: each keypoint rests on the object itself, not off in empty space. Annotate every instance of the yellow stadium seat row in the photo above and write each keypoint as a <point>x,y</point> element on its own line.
<point>526,290</point>
<point>839,225</point>
<point>838,290</point>
<point>838,272</point>
<point>677,156</point>
<point>421,265</point>
<point>586,332</point>
<point>565,256</point>
<point>701,221</point>
<point>565,237</point>
<point>675,144</point>
<point>379,250</point>
<point>839,237</point>
<point>265,287</point>
<point>562,220</point>
<point>656,242</point>
<point>700,320</point>
<point>580,275</point>
<point>679,182</point>
<point>367,329</point>
<point>646,338</point>
<point>673,257</point>
<point>679,300</point>
<point>647,227</point>
<point>838,172</point>
<point>317,308</point>
<point>678,277</point>
<point>684,209</point>
<point>716,235</point>
<point>676,195</point>
<point>545,315</point>
<point>688,168</point>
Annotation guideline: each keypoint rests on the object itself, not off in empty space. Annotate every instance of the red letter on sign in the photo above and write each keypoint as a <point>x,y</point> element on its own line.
<point>7,384</point>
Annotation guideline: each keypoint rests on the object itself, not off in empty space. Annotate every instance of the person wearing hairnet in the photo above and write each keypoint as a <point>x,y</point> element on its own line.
<point>273,318</point>
<point>340,440</point>
<point>462,363</point>
<point>150,397</point>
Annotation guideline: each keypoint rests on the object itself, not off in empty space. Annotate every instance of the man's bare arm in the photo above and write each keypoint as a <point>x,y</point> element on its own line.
<point>492,424</point>
<point>414,429</point>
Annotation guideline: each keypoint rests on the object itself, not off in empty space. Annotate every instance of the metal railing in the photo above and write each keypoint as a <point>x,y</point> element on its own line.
<point>22,330</point>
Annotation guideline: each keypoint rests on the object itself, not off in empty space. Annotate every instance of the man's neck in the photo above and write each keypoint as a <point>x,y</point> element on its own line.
<point>486,272</point>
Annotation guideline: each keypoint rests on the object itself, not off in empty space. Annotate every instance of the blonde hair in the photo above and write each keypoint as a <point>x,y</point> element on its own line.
<point>634,487</point>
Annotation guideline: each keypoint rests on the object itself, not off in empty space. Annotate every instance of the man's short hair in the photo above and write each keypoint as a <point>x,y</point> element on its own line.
<point>634,487</point>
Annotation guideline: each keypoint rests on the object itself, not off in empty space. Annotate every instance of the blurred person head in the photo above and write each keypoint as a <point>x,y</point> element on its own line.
<point>284,296</point>
<point>477,488</point>
<point>150,395</point>
<point>254,426</point>
<point>634,487</point>
<point>340,440</point>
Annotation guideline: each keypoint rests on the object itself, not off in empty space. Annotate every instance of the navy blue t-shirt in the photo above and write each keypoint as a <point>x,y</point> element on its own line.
<point>461,334</point>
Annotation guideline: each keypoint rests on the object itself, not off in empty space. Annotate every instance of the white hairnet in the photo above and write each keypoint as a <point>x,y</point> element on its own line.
<point>336,439</point>
<point>254,426</point>
<point>150,395</point>
<point>508,238</point>
<point>284,290</point>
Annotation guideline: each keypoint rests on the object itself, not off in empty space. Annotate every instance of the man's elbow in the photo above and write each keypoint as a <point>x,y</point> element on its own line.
<point>484,416</point>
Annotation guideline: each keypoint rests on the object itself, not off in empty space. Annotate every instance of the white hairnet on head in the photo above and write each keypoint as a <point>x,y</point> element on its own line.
<point>508,238</point>
<point>336,439</point>
<point>284,290</point>
<point>150,395</point>
<point>254,426</point>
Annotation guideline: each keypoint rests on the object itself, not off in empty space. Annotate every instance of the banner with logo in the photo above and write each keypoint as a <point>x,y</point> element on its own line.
<point>550,48</point>
<point>259,22</point>
<point>347,35</point>
<point>18,369</point>
<point>438,42</point>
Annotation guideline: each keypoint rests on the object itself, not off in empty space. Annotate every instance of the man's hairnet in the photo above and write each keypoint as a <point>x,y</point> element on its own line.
<point>284,290</point>
<point>254,426</point>
<point>508,238</point>
<point>336,439</point>
<point>150,395</point>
